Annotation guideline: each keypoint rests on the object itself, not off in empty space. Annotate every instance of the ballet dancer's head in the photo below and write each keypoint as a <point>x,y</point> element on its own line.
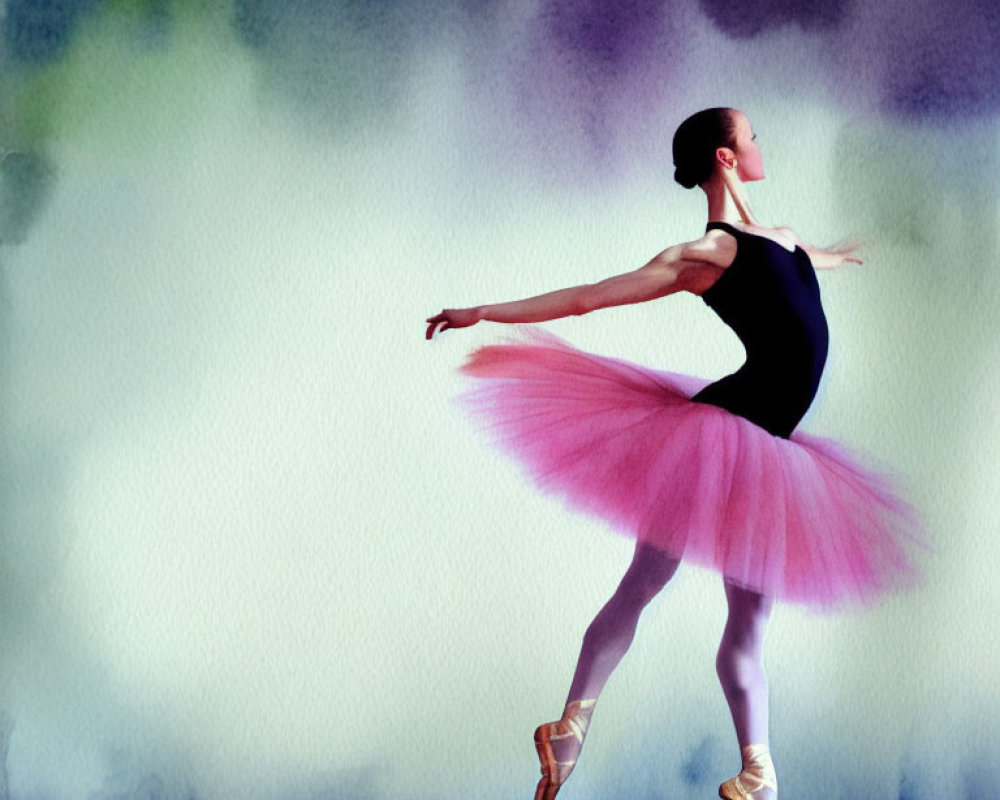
<point>714,141</point>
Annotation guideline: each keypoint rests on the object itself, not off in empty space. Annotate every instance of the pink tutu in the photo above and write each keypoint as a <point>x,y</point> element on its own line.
<point>795,519</point>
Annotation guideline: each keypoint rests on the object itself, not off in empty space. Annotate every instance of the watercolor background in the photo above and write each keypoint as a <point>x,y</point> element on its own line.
<point>249,546</point>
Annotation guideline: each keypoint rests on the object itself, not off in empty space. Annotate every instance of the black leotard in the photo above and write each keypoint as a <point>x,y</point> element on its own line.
<point>770,298</point>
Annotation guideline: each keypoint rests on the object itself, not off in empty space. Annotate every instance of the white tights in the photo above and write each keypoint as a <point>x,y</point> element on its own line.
<point>739,663</point>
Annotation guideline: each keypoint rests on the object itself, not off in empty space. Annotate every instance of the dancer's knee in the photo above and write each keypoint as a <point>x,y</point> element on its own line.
<point>739,670</point>
<point>739,662</point>
<point>648,573</point>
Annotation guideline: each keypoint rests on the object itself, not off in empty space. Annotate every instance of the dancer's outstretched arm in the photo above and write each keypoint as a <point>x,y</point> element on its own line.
<point>827,257</point>
<point>681,267</point>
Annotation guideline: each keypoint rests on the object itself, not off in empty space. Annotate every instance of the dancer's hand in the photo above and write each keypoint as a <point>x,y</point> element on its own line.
<point>827,257</point>
<point>846,250</point>
<point>836,256</point>
<point>452,318</point>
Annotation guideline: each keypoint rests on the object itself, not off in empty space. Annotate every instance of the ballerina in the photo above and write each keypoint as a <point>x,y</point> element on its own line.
<point>712,474</point>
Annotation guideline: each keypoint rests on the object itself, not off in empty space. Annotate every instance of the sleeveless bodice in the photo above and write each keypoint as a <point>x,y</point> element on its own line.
<point>769,296</point>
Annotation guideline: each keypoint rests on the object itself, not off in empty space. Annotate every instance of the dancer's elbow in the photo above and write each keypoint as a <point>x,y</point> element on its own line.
<point>584,300</point>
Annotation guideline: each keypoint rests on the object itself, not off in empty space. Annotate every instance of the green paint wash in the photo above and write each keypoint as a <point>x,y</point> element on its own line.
<point>116,86</point>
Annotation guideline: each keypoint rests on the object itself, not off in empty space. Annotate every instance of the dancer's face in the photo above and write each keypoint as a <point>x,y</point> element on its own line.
<point>749,163</point>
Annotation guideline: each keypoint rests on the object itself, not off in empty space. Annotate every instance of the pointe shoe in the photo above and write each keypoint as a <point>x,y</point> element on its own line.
<point>567,734</point>
<point>756,776</point>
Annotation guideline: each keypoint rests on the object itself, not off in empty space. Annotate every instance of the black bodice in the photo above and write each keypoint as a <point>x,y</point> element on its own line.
<point>769,296</point>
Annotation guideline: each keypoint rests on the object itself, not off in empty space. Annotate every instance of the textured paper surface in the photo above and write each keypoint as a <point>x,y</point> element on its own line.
<point>250,547</point>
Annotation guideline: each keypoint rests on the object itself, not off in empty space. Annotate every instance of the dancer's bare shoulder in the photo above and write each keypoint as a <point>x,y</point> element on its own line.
<point>704,260</point>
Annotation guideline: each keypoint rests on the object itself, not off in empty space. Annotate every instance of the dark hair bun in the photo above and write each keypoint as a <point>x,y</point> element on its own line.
<point>695,143</point>
<point>684,179</point>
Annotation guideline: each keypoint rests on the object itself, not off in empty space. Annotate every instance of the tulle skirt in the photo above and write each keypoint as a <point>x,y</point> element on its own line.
<point>796,519</point>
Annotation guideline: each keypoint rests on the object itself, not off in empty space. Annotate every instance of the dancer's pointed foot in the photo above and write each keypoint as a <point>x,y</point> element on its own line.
<point>558,745</point>
<point>756,781</point>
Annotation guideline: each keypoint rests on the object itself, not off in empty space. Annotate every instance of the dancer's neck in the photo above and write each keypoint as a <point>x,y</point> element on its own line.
<point>727,199</point>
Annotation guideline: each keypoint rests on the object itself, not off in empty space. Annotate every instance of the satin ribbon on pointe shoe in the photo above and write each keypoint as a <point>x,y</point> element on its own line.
<point>756,776</point>
<point>574,723</point>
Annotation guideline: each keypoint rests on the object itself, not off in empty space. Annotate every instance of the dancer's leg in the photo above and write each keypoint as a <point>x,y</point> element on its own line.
<point>740,663</point>
<point>740,667</point>
<point>605,643</point>
<point>610,634</point>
